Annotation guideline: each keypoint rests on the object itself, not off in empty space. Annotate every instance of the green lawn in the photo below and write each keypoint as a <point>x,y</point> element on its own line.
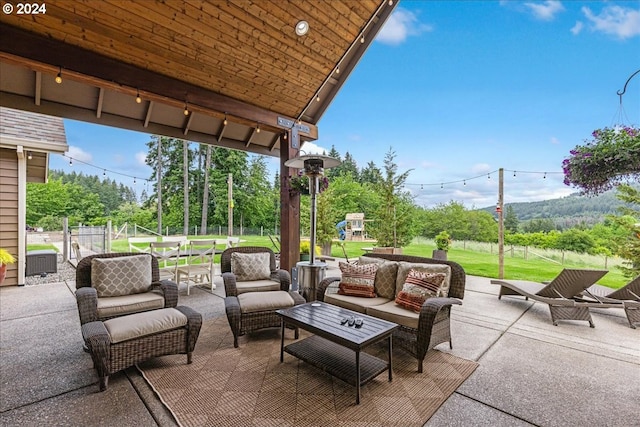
<point>474,263</point>
<point>40,247</point>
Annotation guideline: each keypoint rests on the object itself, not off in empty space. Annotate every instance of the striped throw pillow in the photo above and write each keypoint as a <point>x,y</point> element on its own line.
<point>418,287</point>
<point>358,280</point>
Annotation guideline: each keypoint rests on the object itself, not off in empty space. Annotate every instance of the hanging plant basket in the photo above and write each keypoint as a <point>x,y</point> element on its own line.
<point>612,157</point>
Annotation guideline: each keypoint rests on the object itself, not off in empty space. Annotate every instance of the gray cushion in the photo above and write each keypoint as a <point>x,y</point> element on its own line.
<point>253,302</point>
<point>125,275</point>
<point>257,286</point>
<point>385,283</point>
<point>255,266</point>
<point>358,304</point>
<point>128,304</point>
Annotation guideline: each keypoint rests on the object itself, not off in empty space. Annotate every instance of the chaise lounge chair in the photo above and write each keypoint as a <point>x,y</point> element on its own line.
<point>627,297</point>
<point>558,294</point>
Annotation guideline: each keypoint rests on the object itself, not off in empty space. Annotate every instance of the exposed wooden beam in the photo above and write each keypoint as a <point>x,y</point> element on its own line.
<point>274,141</point>
<point>47,55</point>
<point>100,102</point>
<point>38,88</point>
<point>187,124</point>
<point>147,116</point>
<point>223,127</point>
<point>254,132</point>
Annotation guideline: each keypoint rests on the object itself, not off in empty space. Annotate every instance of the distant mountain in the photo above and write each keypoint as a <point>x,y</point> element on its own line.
<point>568,211</point>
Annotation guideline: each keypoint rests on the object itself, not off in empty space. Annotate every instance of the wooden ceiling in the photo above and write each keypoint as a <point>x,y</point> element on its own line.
<point>234,59</point>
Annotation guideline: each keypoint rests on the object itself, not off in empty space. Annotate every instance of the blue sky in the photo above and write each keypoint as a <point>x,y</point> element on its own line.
<point>459,90</point>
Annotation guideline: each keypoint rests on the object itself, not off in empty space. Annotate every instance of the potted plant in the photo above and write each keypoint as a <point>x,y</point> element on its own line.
<point>5,259</point>
<point>305,246</point>
<point>443,241</point>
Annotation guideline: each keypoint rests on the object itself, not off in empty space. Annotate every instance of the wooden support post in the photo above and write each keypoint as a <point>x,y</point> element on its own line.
<point>289,205</point>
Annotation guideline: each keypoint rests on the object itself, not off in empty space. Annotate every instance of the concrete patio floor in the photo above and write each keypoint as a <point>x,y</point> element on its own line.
<point>530,373</point>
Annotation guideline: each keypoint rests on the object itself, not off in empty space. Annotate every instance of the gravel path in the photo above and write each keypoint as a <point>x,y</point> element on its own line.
<point>65,272</point>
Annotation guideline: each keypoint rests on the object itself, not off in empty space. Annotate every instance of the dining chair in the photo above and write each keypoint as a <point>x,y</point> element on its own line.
<point>200,268</point>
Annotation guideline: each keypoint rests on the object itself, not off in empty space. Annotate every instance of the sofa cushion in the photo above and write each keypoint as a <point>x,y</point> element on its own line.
<point>253,302</point>
<point>419,287</point>
<point>138,325</point>
<point>394,313</point>
<point>385,283</point>
<point>354,303</point>
<point>255,266</point>
<point>128,304</point>
<point>404,268</point>
<point>124,275</point>
<point>358,280</point>
<point>257,286</point>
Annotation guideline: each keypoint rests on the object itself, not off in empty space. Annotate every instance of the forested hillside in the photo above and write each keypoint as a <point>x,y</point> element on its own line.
<point>568,211</point>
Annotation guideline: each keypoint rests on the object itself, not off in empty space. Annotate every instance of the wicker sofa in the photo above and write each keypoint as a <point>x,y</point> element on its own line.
<point>418,332</point>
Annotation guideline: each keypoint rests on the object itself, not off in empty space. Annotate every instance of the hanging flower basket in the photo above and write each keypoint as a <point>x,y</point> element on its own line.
<point>610,158</point>
<point>300,184</point>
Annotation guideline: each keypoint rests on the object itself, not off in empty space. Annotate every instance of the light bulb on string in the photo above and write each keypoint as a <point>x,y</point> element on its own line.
<point>390,2</point>
<point>464,182</point>
<point>258,128</point>
<point>70,161</point>
<point>544,176</point>
<point>441,185</point>
<point>225,122</point>
<point>138,99</point>
<point>488,176</point>
<point>186,109</point>
<point>337,70</point>
<point>422,186</point>
<point>362,38</point>
<point>514,174</point>
<point>59,76</point>
<point>29,156</point>
<point>318,98</point>
<point>104,173</point>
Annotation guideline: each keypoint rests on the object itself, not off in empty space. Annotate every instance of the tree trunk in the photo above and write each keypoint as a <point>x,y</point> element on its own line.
<point>185,184</point>
<point>205,191</point>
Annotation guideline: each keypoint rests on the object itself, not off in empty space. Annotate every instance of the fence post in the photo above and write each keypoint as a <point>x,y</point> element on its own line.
<point>66,237</point>
<point>606,258</point>
<point>196,228</point>
<point>167,232</point>
<point>108,246</point>
<point>563,257</point>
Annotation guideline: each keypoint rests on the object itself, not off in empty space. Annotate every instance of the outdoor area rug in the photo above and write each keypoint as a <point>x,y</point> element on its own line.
<point>248,386</point>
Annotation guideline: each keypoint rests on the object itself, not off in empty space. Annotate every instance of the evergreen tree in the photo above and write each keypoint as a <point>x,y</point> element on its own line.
<point>370,174</point>
<point>511,220</point>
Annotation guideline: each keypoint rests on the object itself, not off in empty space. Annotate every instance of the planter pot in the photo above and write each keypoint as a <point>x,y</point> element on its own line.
<point>304,257</point>
<point>439,254</point>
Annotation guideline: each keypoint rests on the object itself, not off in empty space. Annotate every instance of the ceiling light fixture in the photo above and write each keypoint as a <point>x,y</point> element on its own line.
<point>302,28</point>
<point>138,99</point>
<point>59,76</point>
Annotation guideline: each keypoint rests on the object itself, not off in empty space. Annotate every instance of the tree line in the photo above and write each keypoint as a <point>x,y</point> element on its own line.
<point>392,217</point>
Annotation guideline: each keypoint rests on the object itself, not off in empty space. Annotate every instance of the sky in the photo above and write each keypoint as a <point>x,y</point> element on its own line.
<point>458,90</point>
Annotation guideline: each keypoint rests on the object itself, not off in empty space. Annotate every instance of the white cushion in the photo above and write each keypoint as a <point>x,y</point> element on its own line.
<point>257,286</point>
<point>252,302</point>
<point>128,304</point>
<point>358,304</point>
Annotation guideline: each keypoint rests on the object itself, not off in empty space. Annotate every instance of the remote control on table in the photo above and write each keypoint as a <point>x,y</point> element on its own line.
<point>351,321</point>
<point>358,322</point>
<point>344,320</point>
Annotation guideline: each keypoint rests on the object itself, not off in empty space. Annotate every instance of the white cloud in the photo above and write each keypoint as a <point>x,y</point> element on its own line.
<point>141,158</point>
<point>78,153</point>
<point>547,10</point>
<point>577,28</point>
<point>615,20</point>
<point>400,25</point>
<point>311,148</point>
<point>554,140</point>
<point>480,168</point>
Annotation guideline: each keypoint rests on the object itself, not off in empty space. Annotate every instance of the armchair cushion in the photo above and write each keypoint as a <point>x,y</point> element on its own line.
<point>112,277</point>
<point>252,266</point>
<point>419,287</point>
<point>257,286</point>
<point>142,324</point>
<point>127,304</point>
<point>358,280</point>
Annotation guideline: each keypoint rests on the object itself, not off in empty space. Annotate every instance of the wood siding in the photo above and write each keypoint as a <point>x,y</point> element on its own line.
<point>9,210</point>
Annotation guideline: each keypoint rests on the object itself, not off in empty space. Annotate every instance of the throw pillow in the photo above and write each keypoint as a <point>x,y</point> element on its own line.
<point>419,287</point>
<point>404,268</point>
<point>358,280</point>
<point>124,275</point>
<point>254,266</point>
<point>385,283</point>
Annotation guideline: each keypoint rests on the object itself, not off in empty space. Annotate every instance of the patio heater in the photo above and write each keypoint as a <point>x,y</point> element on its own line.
<point>311,272</point>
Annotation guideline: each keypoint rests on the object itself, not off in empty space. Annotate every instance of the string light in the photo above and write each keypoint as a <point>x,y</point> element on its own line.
<point>70,161</point>
<point>488,175</point>
<point>545,176</point>
<point>138,99</point>
<point>59,76</point>
<point>318,98</point>
<point>464,182</point>
<point>422,187</point>
<point>258,128</point>
<point>186,108</point>
<point>225,119</point>
<point>285,136</point>
<point>441,185</point>
<point>29,155</point>
<point>104,173</point>
<point>390,2</point>
<point>362,38</point>
<point>514,173</point>
<point>337,70</point>
<point>104,170</point>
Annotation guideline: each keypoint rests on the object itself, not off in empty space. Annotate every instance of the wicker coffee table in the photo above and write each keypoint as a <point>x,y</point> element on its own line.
<point>336,348</point>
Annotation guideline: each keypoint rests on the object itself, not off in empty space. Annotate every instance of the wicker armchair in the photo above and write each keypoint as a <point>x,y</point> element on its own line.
<point>280,279</point>
<point>163,293</point>
<point>434,317</point>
